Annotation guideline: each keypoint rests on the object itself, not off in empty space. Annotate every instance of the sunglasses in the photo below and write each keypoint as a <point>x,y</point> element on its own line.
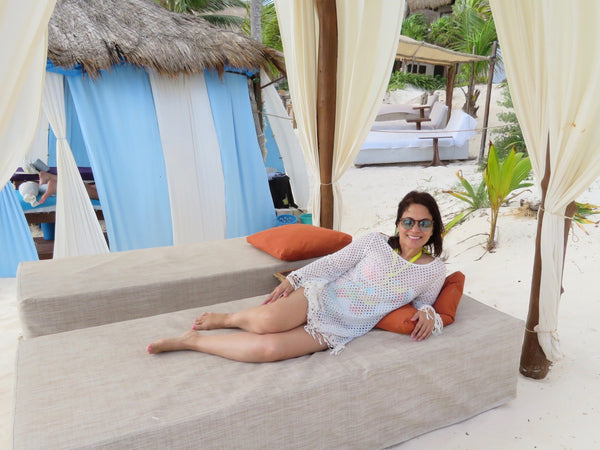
<point>408,223</point>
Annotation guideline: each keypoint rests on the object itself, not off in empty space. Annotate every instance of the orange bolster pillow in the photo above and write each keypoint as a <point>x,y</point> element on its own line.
<point>446,304</point>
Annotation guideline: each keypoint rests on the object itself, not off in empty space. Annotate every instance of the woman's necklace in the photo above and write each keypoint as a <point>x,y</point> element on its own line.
<point>414,258</point>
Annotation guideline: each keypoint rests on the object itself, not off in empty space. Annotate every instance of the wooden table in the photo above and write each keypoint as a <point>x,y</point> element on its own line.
<point>436,151</point>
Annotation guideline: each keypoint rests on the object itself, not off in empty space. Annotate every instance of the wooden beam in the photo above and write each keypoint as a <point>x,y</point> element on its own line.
<point>326,102</point>
<point>488,95</point>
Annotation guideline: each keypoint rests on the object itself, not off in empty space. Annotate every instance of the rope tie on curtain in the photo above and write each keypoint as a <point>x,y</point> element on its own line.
<point>537,330</point>
<point>540,209</point>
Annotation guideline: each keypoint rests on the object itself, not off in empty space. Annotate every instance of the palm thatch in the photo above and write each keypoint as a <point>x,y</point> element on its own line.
<point>98,34</point>
<point>415,5</point>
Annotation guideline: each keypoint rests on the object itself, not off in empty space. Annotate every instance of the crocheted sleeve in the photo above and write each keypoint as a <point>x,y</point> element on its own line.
<point>330,267</point>
<point>425,301</point>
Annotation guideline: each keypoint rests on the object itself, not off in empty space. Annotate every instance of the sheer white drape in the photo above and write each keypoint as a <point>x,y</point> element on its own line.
<point>368,34</point>
<point>368,37</point>
<point>298,27</point>
<point>77,229</point>
<point>287,142</point>
<point>192,158</point>
<point>23,25</point>
<point>551,56</point>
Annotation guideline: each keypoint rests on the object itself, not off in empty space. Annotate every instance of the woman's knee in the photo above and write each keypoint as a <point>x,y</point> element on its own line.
<point>266,321</point>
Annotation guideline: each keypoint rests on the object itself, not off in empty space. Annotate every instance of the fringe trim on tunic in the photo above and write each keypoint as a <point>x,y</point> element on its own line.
<point>438,324</point>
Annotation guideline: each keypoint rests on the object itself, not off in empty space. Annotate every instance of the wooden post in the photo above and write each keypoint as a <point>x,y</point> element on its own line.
<point>534,363</point>
<point>326,101</point>
<point>488,96</point>
<point>452,70</point>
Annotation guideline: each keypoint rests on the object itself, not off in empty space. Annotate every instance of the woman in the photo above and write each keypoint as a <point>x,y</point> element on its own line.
<point>337,298</point>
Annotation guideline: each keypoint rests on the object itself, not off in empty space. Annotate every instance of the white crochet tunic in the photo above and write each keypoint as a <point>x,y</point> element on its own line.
<point>349,291</point>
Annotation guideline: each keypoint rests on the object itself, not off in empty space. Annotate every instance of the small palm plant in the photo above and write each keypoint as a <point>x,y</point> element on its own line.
<point>475,198</point>
<point>501,179</point>
<point>584,210</point>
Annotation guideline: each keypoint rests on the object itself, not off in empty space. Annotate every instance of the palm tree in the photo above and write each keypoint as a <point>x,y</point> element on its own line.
<point>271,37</point>
<point>470,29</point>
<point>207,9</point>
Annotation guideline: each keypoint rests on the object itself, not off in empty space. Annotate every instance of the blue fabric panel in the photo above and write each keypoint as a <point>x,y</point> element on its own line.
<point>249,203</point>
<point>16,242</point>
<point>74,135</point>
<point>274,158</point>
<point>118,123</point>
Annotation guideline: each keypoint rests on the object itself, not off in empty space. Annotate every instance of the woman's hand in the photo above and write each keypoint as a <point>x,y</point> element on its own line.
<point>283,290</point>
<point>424,326</point>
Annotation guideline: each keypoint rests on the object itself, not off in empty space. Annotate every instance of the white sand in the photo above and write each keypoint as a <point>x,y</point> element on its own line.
<point>558,412</point>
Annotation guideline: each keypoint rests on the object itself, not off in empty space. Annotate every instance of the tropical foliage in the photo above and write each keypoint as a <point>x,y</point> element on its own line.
<point>416,26</point>
<point>475,198</point>
<point>583,210</point>
<point>207,9</point>
<point>502,178</point>
<point>510,135</point>
<point>271,37</point>
<point>470,28</point>
<point>399,80</point>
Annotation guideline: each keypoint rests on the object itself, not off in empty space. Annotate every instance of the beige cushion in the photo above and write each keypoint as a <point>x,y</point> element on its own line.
<point>97,387</point>
<point>70,293</point>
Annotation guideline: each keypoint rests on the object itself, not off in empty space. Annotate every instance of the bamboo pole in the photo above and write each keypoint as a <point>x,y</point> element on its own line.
<point>534,363</point>
<point>488,96</point>
<point>326,101</point>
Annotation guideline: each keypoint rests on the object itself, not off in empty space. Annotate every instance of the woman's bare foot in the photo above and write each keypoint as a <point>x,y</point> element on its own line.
<point>184,342</point>
<point>211,321</point>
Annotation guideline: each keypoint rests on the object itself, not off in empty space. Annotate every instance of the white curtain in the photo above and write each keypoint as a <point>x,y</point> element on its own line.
<point>287,143</point>
<point>368,33</point>
<point>551,54</point>
<point>39,145</point>
<point>23,25</point>
<point>298,26</point>
<point>192,158</point>
<point>77,229</point>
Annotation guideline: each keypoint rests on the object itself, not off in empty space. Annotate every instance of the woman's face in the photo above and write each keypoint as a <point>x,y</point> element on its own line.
<point>417,236</point>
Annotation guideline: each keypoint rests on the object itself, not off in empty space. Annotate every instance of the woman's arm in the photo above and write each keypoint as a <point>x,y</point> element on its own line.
<point>428,321</point>
<point>330,267</point>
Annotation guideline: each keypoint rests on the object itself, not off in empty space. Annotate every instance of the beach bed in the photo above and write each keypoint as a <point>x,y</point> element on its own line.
<point>387,147</point>
<point>84,379</point>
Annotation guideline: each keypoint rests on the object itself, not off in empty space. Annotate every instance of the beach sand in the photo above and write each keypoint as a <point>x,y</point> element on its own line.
<point>558,412</point>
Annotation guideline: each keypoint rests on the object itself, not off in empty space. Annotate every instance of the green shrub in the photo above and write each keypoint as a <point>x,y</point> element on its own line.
<point>510,135</point>
<point>399,80</point>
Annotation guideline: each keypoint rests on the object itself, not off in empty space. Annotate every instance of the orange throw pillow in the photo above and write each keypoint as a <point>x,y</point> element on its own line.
<point>446,304</point>
<point>299,241</point>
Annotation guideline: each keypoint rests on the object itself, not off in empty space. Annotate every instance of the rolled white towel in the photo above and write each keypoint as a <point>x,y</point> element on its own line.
<point>29,190</point>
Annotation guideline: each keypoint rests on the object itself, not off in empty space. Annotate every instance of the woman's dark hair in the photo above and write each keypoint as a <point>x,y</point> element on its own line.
<point>422,198</point>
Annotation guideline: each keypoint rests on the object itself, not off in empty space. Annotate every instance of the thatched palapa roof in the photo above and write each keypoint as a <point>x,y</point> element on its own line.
<point>414,5</point>
<point>97,34</point>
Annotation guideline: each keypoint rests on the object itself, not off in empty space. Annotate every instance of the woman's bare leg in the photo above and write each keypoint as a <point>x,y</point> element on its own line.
<point>244,346</point>
<point>285,314</point>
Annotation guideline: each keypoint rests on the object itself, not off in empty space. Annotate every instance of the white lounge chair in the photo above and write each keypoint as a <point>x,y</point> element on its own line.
<point>437,119</point>
<point>404,110</point>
